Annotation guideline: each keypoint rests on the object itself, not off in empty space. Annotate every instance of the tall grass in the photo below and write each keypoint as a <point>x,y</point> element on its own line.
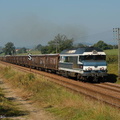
<point>62,103</point>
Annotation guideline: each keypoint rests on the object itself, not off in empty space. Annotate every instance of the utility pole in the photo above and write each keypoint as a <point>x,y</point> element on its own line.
<point>116,33</point>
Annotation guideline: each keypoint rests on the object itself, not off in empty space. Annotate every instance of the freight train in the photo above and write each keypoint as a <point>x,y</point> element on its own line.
<point>81,63</point>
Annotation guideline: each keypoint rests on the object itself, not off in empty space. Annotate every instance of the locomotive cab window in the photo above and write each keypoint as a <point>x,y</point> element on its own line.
<point>69,59</point>
<point>64,59</point>
<point>92,57</point>
<point>100,57</point>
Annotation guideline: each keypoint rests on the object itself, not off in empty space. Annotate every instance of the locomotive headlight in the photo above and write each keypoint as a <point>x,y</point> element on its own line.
<point>102,68</point>
<point>89,68</point>
<point>81,66</point>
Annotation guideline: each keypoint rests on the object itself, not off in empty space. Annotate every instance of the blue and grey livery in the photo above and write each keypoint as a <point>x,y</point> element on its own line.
<point>84,63</point>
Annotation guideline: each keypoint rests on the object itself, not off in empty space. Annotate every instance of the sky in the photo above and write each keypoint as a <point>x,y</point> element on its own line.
<point>32,22</point>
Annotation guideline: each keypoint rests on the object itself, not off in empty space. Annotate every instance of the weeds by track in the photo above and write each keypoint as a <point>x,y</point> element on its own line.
<point>106,92</point>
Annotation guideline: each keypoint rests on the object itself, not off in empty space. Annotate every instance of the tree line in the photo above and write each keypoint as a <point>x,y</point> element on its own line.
<point>57,45</point>
<point>61,42</point>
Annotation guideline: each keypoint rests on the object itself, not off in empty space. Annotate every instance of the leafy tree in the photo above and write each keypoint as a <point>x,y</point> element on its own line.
<point>102,45</point>
<point>59,43</point>
<point>38,47</point>
<point>79,45</point>
<point>9,49</point>
<point>22,50</point>
<point>44,50</point>
<point>1,50</point>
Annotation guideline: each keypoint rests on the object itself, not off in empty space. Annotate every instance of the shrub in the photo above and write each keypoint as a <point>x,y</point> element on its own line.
<point>112,58</point>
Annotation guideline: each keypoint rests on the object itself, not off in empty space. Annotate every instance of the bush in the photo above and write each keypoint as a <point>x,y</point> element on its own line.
<point>112,58</point>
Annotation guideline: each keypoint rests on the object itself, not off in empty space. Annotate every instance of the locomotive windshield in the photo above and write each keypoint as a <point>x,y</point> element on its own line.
<point>92,57</point>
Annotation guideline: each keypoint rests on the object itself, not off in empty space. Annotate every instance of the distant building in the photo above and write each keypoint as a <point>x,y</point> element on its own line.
<point>17,50</point>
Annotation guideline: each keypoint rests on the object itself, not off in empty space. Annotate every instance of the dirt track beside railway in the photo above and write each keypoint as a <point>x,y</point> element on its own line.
<point>18,96</point>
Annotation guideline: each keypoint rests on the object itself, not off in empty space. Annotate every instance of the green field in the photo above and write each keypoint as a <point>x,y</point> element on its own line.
<point>33,52</point>
<point>111,52</point>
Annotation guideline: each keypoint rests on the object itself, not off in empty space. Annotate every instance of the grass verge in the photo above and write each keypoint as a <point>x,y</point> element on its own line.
<point>8,107</point>
<point>57,100</point>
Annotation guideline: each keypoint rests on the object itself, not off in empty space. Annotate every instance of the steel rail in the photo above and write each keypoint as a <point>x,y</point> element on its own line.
<point>78,87</point>
<point>109,87</point>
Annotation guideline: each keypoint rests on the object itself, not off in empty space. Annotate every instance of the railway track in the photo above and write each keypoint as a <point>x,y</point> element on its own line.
<point>110,86</point>
<point>106,92</point>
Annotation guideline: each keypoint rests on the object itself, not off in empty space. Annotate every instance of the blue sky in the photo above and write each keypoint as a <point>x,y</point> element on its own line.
<point>32,22</point>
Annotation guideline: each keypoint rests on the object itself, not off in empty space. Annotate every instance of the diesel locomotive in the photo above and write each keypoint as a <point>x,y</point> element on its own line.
<point>84,63</point>
<point>81,63</point>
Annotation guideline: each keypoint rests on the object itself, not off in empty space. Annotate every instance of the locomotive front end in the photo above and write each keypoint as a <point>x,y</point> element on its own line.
<point>94,65</point>
<point>84,63</point>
